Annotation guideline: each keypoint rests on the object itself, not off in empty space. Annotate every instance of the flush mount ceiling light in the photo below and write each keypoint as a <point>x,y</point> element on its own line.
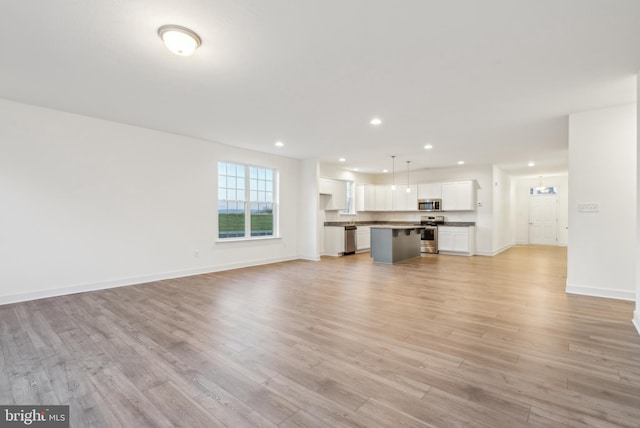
<point>179,40</point>
<point>279,144</point>
<point>342,160</point>
<point>531,164</point>
<point>376,121</point>
<point>428,147</point>
<point>460,162</point>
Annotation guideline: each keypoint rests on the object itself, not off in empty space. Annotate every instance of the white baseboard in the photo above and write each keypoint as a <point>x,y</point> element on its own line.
<point>636,318</point>
<point>455,253</point>
<point>494,253</point>
<point>123,282</point>
<point>601,292</point>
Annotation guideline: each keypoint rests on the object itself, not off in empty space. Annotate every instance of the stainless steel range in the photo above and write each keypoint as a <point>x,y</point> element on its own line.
<point>429,236</point>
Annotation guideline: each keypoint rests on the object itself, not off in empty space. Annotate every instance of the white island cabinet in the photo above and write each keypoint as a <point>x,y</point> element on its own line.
<point>457,240</point>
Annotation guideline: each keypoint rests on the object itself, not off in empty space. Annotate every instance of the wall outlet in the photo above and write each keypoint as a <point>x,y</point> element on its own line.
<point>588,208</point>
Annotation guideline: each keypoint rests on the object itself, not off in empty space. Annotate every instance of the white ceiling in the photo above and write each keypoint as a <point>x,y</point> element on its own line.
<point>487,81</point>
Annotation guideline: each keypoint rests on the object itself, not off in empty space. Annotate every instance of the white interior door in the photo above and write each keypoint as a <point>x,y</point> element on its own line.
<point>543,219</point>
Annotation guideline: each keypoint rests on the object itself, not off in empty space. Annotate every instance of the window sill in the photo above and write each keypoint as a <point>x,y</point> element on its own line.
<point>253,238</point>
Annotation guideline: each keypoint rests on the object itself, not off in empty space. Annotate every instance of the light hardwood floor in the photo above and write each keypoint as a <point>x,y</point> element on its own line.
<point>439,341</point>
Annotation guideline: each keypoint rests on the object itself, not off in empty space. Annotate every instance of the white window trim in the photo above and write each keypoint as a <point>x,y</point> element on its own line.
<point>247,204</point>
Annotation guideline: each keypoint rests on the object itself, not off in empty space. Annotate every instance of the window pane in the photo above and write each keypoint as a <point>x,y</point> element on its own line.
<point>231,218</point>
<point>261,220</point>
<point>543,191</point>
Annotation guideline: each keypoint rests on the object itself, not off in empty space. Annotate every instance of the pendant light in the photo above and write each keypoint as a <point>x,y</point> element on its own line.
<point>393,185</point>
<point>408,188</point>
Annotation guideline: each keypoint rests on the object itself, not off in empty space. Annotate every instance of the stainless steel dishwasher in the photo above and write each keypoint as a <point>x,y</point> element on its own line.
<point>350,240</point>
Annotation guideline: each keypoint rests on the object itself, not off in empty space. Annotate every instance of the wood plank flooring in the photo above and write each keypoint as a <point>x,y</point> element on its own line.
<point>438,341</point>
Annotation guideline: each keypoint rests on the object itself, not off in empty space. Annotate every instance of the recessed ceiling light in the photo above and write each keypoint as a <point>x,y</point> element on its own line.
<point>531,164</point>
<point>355,169</point>
<point>385,170</point>
<point>460,162</point>
<point>342,160</point>
<point>179,40</point>
<point>376,121</point>
<point>279,144</point>
<point>428,147</point>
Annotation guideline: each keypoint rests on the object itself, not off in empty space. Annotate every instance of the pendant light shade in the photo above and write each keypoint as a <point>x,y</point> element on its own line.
<point>179,40</point>
<point>393,183</point>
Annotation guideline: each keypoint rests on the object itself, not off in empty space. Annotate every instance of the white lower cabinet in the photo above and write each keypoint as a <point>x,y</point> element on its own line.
<point>363,236</point>
<point>333,241</point>
<point>457,240</point>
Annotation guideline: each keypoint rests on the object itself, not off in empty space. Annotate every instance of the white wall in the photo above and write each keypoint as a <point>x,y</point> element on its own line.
<point>309,239</point>
<point>89,204</point>
<point>602,165</point>
<point>503,227</point>
<point>521,205</point>
<point>636,314</point>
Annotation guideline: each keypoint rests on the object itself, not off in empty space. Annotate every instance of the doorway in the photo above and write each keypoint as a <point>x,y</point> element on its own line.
<point>543,219</point>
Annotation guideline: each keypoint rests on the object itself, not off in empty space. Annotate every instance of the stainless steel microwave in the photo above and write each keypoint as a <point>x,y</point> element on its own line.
<point>429,204</point>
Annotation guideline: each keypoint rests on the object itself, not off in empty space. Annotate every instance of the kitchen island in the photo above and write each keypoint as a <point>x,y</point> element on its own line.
<point>394,243</point>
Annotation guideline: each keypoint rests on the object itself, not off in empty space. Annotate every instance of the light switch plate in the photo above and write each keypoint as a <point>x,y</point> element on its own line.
<point>588,208</point>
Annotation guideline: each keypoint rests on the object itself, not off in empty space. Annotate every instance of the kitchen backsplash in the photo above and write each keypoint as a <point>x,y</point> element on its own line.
<point>398,216</point>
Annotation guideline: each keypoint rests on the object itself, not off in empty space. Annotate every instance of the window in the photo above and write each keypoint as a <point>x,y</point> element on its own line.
<point>350,206</point>
<point>543,191</point>
<point>242,188</point>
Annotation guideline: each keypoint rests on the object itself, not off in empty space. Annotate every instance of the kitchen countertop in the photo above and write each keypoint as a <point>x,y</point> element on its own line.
<point>377,223</point>
<point>367,223</point>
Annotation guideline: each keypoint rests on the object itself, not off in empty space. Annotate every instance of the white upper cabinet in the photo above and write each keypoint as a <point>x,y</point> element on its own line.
<point>326,186</point>
<point>384,201</point>
<point>336,191</point>
<point>455,195</point>
<point>459,196</point>
<point>403,200</point>
<point>360,198</point>
<point>365,197</point>
<point>430,191</point>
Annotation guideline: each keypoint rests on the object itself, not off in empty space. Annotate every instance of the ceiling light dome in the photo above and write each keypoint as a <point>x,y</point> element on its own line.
<point>179,40</point>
